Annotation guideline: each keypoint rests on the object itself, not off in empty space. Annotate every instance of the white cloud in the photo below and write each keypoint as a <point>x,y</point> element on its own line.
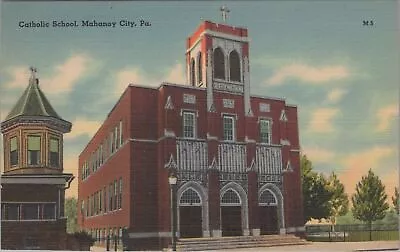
<point>83,126</point>
<point>135,75</point>
<point>385,116</point>
<point>357,165</point>
<point>322,120</point>
<point>176,75</point>
<point>19,77</point>
<point>318,155</point>
<point>63,79</point>
<point>66,74</point>
<point>308,74</point>
<point>336,95</point>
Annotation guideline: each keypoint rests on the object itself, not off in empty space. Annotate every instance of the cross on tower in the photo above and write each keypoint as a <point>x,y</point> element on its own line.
<point>33,72</point>
<point>224,11</point>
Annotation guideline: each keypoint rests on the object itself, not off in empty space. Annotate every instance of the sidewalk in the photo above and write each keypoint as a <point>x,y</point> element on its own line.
<point>315,247</point>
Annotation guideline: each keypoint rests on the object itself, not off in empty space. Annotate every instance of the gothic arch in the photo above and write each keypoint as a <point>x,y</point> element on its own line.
<point>199,69</point>
<point>234,66</point>
<point>219,63</point>
<point>244,203</point>
<point>276,192</point>
<point>202,193</point>
<point>192,72</point>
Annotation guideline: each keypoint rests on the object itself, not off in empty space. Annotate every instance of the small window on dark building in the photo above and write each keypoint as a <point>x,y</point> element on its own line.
<point>234,66</point>
<point>30,211</point>
<point>219,64</point>
<point>115,194</point>
<point>120,194</point>
<point>265,131</point>
<point>49,211</point>
<point>34,150</point>
<point>192,73</point>
<point>189,124</point>
<point>11,211</point>
<point>54,152</point>
<point>199,69</point>
<point>110,197</point>
<point>13,151</point>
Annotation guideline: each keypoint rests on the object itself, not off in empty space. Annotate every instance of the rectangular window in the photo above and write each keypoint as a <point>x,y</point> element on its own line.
<point>120,194</point>
<point>116,138</point>
<point>265,131</point>
<point>189,124</point>
<point>110,197</point>
<point>101,154</point>
<point>11,211</point>
<point>229,128</point>
<point>87,206</point>
<point>30,211</point>
<point>115,195</point>
<point>121,140</point>
<point>105,199</point>
<point>49,211</point>
<point>100,201</point>
<point>13,151</point>
<point>54,152</point>
<point>111,142</point>
<point>34,150</point>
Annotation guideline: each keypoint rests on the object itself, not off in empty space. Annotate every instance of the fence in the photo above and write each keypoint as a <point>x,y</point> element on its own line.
<point>352,233</point>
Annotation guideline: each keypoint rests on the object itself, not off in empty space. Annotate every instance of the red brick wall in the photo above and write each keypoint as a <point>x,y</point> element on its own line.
<point>43,235</point>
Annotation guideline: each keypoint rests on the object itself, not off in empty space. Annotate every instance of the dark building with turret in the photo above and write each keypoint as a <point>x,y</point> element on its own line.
<point>33,183</point>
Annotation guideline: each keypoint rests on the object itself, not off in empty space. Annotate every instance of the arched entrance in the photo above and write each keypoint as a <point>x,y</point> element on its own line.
<point>270,200</point>
<point>190,214</point>
<point>231,213</point>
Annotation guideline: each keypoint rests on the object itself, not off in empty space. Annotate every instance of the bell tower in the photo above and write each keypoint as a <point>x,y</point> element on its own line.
<point>217,58</point>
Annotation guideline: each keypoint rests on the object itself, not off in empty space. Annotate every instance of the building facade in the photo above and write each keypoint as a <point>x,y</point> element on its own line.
<point>236,156</point>
<point>33,183</point>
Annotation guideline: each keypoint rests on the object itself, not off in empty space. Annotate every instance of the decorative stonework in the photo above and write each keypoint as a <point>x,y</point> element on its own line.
<point>228,103</point>
<point>189,98</point>
<point>283,116</point>
<point>264,107</point>
<point>168,104</point>
<point>285,142</point>
<point>228,87</point>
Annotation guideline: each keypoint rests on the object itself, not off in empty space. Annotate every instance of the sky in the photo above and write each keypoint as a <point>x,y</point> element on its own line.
<point>318,55</point>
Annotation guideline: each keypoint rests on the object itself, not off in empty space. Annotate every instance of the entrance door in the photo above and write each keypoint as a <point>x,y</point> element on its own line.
<point>231,213</point>
<point>268,207</point>
<point>190,221</point>
<point>231,218</point>
<point>268,220</point>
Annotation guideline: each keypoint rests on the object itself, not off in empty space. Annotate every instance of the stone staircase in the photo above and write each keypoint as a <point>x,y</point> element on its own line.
<point>234,242</point>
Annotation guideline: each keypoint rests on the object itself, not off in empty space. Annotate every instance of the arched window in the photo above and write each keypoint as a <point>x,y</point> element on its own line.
<point>234,66</point>
<point>267,198</point>
<point>230,197</point>
<point>190,197</point>
<point>199,69</point>
<point>219,64</point>
<point>192,73</point>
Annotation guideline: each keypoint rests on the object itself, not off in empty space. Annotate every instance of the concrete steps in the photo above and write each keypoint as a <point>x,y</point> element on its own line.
<point>200,244</point>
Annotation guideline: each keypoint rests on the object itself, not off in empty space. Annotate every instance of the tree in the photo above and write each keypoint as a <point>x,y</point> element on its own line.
<point>395,200</point>
<point>339,201</point>
<point>369,200</point>
<point>71,214</point>
<point>316,196</point>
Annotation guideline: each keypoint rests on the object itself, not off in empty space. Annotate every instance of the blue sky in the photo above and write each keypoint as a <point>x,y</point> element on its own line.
<point>343,76</point>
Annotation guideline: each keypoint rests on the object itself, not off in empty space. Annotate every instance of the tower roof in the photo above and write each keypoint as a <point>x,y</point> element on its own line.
<point>34,104</point>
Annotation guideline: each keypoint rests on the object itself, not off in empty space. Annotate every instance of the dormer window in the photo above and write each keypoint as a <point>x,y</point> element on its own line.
<point>13,151</point>
<point>54,152</point>
<point>34,150</point>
